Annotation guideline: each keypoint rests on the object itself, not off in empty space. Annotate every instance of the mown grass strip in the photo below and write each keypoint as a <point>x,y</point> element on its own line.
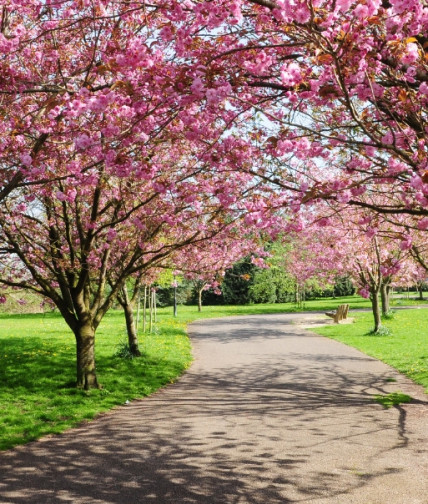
<point>405,347</point>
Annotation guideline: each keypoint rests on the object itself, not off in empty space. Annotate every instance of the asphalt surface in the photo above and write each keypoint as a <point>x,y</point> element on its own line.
<point>268,413</point>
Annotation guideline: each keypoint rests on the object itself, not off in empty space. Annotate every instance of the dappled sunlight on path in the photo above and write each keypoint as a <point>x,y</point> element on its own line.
<point>268,413</point>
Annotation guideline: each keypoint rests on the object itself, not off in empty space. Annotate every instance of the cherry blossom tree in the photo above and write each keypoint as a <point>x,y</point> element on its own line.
<point>341,88</point>
<point>105,158</point>
<point>372,250</point>
<point>133,130</point>
<point>312,256</point>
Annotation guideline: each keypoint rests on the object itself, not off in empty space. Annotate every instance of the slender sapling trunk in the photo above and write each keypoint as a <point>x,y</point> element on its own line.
<point>385,297</point>
<point>374,298</point>
<point>128,309</point>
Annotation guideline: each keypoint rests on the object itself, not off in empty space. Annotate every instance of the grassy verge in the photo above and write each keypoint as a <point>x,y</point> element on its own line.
<point>405,347</point>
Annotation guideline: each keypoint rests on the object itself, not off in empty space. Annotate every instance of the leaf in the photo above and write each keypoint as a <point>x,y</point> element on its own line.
<point>273,141</point>
<point>402,95</point>
<point>118,84</point>
<point>425,177</point>
<point>50,104</point>
<point>341,35</point>
<point>374,20</point>
<point>325,58</point>
<point>102,69</point>
<point>327,90</point>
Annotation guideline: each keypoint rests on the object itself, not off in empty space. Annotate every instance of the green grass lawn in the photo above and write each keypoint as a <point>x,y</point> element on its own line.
<point>405,348</point>
<point>37,371</point>
<point>37,361</point>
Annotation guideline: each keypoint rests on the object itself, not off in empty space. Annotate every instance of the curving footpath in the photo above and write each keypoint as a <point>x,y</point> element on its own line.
<point>268,413</point>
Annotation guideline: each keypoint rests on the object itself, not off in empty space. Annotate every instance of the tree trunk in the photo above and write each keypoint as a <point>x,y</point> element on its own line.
<point>421,292</point>
<point>200,299</point>
<point>85,356</point>
<point>384,294</point>
<point>128,310</point>
<point>131,330</point>
<point>374,298</point>
<point>145,309</point>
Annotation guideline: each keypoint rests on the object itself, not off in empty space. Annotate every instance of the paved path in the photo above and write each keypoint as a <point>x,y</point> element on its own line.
<point>268,413</point>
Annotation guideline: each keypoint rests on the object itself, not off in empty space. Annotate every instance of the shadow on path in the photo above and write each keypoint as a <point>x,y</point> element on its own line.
<point>271,415</point>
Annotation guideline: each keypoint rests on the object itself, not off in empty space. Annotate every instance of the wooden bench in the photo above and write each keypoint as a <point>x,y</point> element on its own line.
<point>340,314</point>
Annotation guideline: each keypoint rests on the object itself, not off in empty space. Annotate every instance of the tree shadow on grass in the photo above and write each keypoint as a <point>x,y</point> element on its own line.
<point>38,393</point>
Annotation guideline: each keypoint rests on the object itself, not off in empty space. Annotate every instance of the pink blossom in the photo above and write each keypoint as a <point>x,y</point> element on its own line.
<point>291,74</point>
<point>406,243</point>
<point>323,222</point>
<point>198,88</point>
<point>371,232</point>
<point>343,5</point>
<point>423,88</point>
<point>423,224</point>
<point>82,142</point>
<point>344,196</point>
<point>235,8</point>
<point>359,190</point>
<point>60,196</point>
<point>364,292</point>
<point>26,159</point>
<point>361,11</point>
<point>370,150</point>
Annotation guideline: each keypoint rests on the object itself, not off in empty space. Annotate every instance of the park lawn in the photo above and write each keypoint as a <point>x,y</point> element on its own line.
<point>405,348</point>
<point>37,365</point>
<point>324,304</point>
<point>37,372</point>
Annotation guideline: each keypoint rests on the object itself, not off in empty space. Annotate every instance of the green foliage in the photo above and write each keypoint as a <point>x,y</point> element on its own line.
<point>123,351</point>
<point>381,331</point>
<point>388,315</point>
<point>393,399</point>
<point>404,348</point>
<point>271,286</point>
<point>165,278</point>
<point>237,283</point>
<point>246,284</point>
<point>263,289</point>
<point>343,286</point>
<point>165,295</point>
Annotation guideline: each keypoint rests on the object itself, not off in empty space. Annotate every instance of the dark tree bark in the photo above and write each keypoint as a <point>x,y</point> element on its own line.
<point>127,304</point>
<point>85,356</point>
